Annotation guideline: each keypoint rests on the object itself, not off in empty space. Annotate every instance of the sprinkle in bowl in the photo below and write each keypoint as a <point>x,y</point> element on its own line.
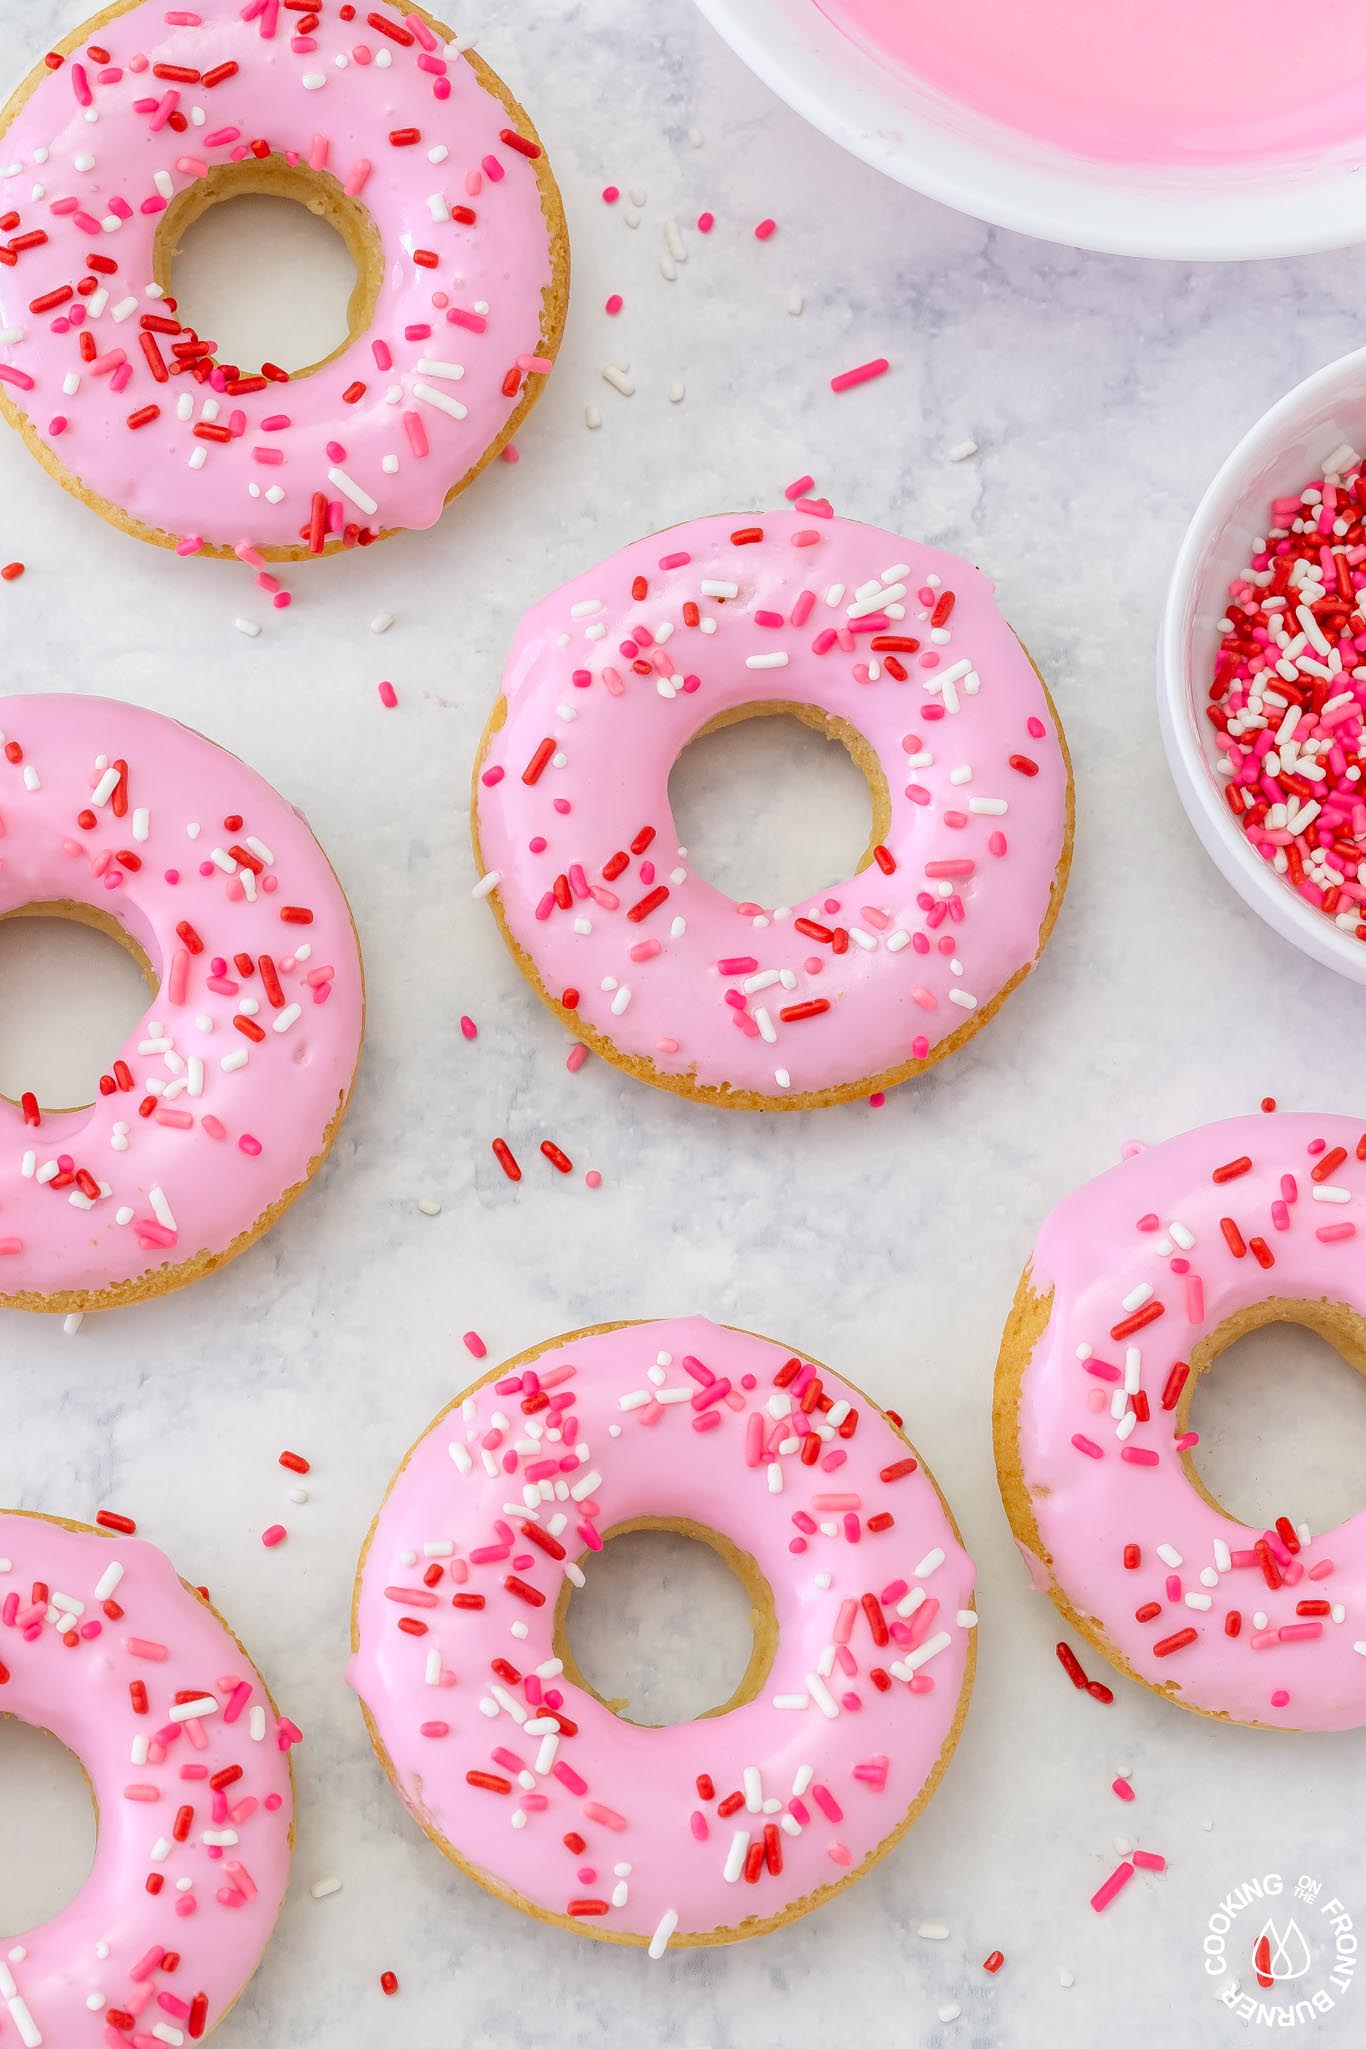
<point>1281,830</point>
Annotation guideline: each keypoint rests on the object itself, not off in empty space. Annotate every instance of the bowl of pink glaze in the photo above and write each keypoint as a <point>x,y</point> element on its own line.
<point>1264,642</point>
<point>1207,130</point>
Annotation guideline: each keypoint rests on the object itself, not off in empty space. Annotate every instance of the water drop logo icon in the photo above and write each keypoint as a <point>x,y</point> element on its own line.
<point>1280,1955</point>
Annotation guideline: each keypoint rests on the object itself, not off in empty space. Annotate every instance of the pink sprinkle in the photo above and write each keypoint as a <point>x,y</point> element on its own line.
<point>1114,1884</point>
<point>864,374</point>
<point>614,304</point>
<point>249,1145</point>
<point>800,488</point>
<point>592,1179</point>
<point>765,230</point>
<point>1149,1860</point>
<point>1123,1789</point>
<point>705,223</point>
<point>273,1536</point>
<point>388,696</point>
<point>611,194</point>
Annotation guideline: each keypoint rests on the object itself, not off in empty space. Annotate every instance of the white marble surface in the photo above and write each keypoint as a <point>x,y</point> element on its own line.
<point>1101,393</point>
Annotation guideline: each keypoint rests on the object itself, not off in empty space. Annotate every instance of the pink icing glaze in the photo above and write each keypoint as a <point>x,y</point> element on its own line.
<point>632,1439</point>
<point>1128,1231</point>
<point>117,1617</point>
<point>923,948</point>
<point>220,1144</point>
<point>1164,82</point>
<point>414,432</point>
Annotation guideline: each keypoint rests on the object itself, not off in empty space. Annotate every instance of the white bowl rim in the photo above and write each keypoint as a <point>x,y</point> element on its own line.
<point>1260,887</point>
<point>1169,227</point>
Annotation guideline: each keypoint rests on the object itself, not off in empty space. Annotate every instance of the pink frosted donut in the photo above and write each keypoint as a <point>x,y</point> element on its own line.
<point>188,1764</point>
<point>855,1696</point>
<point>230,1090</point>
<point>897,650</point>
<point>423,162</point>
<point>1137,1283</point>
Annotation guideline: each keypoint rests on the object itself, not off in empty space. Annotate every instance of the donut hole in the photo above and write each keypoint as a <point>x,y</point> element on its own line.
<point>271,262</point>
<point>672,1624</point>
<point>1280,1408</point>
<point>771,815</point>
<point>47,1839</point>
<point>75,987</point>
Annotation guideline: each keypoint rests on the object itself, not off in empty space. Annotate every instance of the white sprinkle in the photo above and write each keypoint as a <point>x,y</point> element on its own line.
<point>381,622</point>
<point>192,1710</point>
<point>773,661</point>
<point>933,1931</point>
<point>1169,1555</point>
<point>822,1695</point>
<point>665,1927</point>
<point>711,588</point>
<point>735,1856</point>
<point>323,1888</point>
<point>349,488</point>
<point>925,1651</point>
<point>487,883</point>
<point>108,1581</point>
<point>428,366</point>
<point>618,380</point>
<point>247,626</point>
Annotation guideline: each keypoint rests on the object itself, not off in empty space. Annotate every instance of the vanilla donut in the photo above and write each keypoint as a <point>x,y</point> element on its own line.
<point>1137,1283</point>
<point>188,1763</point>
<point>897,650</point>
<point>229,1091</point>
<point>422,162</point>
<point>843,1724</point>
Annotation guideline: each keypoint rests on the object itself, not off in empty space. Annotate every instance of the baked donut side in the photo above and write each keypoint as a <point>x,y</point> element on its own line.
<point>189,1767</point>
<point>228,1094</point>
<point>863,984</point>
<point>364,443</point>
<point>672,1855</point>
<point>1137,1284</point>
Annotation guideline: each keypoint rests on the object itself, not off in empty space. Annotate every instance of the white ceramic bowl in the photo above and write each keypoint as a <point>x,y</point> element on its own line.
<point>1276,459</point>
<point>942,149</point>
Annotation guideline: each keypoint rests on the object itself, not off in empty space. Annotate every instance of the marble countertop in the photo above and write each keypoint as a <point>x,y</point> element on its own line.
<point>1100,394</point>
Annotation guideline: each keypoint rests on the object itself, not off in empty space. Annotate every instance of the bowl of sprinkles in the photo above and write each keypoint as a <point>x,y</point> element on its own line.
<point>1262,668</point>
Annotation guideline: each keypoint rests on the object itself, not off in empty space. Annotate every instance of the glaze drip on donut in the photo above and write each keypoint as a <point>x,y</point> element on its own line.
<point>730,1823</point>
<point>371,118</point>
<point>896,648</point>
<point>188,1763</point>
<point>230,1088</point>
<point>1138,1280</point>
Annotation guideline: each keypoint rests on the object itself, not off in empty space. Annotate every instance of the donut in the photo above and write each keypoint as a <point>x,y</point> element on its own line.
<point>230,1090</point>
<point>424,164</point>
<point>188,1765</point>
<point>843,1724</point>
<point>894,649</point>
<point>1137,1283</point>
